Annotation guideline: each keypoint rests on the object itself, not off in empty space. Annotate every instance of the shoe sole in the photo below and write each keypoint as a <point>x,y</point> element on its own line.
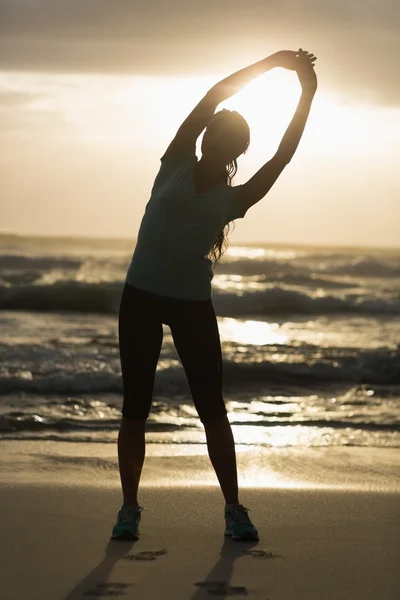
<point>247,537</point>
<point>125,536</point>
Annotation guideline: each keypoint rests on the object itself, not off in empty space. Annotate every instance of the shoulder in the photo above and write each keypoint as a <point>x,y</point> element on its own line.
<point>172,165</point>
<point>184,156</point>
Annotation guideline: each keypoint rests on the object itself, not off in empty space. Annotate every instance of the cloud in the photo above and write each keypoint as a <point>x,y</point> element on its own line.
<point>14,99</point>
<point>357,42</point>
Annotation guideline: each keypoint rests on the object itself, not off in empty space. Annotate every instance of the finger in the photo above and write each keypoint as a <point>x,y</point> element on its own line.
<point>301,55</point>
<point>305,59</point>
<point>307,54</point>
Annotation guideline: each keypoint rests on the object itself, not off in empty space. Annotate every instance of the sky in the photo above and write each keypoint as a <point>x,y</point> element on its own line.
<point>93,91</point>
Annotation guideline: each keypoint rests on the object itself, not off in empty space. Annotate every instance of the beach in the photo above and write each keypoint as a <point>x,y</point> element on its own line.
<point>330,537</point>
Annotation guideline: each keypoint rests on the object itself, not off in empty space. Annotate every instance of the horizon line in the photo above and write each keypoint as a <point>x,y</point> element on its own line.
<point>4,234</point>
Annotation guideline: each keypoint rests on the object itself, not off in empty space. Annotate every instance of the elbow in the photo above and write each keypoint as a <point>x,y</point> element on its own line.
<point>283,158</point>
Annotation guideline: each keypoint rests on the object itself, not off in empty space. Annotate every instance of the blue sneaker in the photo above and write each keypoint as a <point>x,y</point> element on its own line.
<point>238,524</point>
<point>127,526</point>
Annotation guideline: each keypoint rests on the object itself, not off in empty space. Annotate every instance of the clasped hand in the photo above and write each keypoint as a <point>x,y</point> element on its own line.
<point>302,62</point>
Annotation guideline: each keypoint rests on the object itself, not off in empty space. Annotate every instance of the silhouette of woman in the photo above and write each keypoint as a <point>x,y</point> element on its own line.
<point>169,278</point>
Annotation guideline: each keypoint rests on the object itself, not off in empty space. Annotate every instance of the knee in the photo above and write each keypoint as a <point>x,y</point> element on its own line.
<point>214,420</point>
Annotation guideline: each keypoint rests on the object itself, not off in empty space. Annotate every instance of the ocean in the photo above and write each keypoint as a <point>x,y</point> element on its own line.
<point>310,342</point>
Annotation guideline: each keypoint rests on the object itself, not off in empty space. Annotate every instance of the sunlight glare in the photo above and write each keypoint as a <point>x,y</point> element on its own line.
<point>262,253</point>
<point>250,332</point>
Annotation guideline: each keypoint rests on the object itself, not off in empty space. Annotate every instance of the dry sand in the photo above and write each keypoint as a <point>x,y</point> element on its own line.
<point>322,540</point>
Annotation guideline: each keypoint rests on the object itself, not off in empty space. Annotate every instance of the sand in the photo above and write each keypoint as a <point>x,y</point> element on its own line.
<point>319,541</point>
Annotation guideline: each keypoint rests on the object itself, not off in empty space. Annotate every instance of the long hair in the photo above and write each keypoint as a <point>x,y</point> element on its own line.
<point>221,243</point>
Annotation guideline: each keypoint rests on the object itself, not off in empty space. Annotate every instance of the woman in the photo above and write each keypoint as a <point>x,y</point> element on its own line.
<point>169,278</point>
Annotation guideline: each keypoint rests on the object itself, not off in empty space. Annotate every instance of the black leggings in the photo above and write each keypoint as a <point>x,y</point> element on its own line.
<point>194,329</point>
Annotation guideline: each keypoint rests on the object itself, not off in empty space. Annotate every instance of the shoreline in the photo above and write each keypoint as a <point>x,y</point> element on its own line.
<point>325,468</point>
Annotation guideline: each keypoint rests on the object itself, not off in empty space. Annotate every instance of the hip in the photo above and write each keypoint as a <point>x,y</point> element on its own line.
<point>139,303</point>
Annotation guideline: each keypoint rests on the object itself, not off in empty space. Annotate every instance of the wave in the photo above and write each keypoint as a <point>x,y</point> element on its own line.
<point>77,296</point>
<point>314,265</point>
<point>378,367</point>
<point>308,281</point>
<point>104,297</point>
<point>280,300</point>
<point>16,261</point>
<point>370,367</point>
<point>13,423</point>
<point>365,267</point>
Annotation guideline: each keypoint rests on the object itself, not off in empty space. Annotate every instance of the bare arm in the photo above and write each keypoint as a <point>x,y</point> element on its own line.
<point>193,125</point>
<point>295,130</point>
<point>231,85</point>
<point>259,185</point>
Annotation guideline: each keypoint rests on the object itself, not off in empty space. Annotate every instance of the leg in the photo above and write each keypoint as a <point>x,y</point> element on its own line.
<point>140,341</point>
<point>131,453</point>
<point>221,450</point>
<point>196,337</point>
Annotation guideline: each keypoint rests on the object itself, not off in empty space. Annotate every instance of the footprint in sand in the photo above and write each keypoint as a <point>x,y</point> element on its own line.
<point>145,555</point>
<point>108,590</point>
<point>262,554</point>
<point>112,590</point>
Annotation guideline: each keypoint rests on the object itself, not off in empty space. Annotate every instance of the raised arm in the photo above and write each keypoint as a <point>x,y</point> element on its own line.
<point>202,114</point>
<point>258,186</point>
<point>229,86</point>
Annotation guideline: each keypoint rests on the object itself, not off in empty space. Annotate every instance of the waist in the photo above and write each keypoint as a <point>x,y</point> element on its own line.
<point>166,280</point>
<point>160,297</point>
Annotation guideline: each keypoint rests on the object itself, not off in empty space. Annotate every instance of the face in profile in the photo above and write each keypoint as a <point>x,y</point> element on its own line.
<point>226,137</point>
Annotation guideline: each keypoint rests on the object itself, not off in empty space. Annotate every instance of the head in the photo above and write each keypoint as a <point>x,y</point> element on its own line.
<point>227,137</point>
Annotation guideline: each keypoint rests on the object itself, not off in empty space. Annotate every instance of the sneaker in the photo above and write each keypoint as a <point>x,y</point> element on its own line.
<point>127,526</point>
<point>238,524</point>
